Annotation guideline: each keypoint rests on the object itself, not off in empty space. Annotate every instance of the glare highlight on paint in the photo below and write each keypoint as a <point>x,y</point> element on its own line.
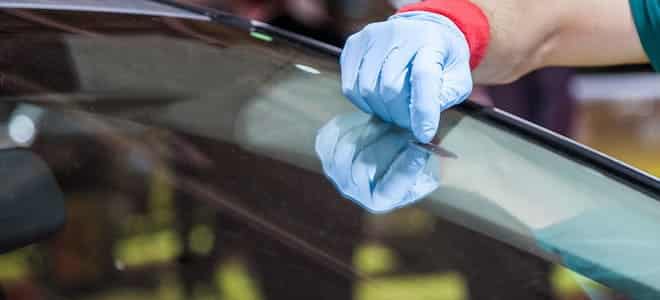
<point>22,129</point>
<point>308,69</point>
<point>261,36</point>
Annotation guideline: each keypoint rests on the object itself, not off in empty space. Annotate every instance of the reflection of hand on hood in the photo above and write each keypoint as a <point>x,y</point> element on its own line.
<point>374,163</point>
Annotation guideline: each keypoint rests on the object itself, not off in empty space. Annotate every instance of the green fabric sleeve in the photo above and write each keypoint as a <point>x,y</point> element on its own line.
<point>647,20</point>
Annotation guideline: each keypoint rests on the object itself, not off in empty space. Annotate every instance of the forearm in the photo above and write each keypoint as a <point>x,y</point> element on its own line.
<point>530,34</point>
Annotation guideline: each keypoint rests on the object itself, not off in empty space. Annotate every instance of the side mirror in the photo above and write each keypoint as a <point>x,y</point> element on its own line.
<point>31,203</point>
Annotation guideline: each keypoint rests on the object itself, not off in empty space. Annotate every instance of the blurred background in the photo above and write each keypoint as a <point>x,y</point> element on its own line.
<point>615,110</point>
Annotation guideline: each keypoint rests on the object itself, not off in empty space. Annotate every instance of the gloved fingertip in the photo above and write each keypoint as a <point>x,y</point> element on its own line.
<point>356,99</point>
<point>425,131</point>
<point>378,209</point>
<point>364,107</point>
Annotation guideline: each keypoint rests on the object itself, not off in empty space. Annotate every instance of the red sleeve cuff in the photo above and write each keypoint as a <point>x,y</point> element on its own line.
<point>467,16</point>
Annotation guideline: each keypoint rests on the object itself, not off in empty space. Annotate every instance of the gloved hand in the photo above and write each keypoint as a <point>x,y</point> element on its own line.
<point>374,164</point>
<point>408,69</point>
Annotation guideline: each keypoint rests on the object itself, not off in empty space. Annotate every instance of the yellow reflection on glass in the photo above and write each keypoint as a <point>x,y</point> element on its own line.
<point>160,246</point>
<point>374,259</point>
<point>201,239</point>
<point>161,195</point>
<point>568,284</point>
<point>235,283</point>
<point>14,266</point>
<point>439,286</point>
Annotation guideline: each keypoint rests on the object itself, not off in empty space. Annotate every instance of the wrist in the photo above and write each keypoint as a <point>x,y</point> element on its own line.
<point>469,19</point>
<point>433,18</point>
<point>524,36</point>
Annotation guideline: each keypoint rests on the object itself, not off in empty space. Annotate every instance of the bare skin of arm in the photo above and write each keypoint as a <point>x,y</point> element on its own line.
<point>530,34</point>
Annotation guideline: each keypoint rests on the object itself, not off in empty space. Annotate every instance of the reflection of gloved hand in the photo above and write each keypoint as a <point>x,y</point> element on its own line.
<point>408,69</point>
<point>373,163</point>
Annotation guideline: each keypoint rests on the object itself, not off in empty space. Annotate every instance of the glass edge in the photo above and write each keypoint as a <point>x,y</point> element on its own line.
<point>566,147</point>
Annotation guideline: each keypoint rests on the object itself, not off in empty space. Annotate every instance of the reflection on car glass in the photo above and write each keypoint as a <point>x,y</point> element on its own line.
<point>374,163</point>
<point>308,69</point>
<point>435,149</point>
<point>23,124</point>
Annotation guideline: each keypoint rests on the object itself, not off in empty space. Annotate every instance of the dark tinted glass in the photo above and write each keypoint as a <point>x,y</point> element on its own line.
<point>185,152</point>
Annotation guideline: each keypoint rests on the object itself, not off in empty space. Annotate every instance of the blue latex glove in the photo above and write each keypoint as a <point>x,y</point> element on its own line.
<point>407,69</point>
<point>373,163</point>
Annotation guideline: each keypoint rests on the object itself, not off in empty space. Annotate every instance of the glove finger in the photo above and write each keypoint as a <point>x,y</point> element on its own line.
<point>368,78</point>
<point>426,77</point>
<point>374,160</point>
<point>351,145</point>
<point>395,188</point>
<point>345,152</point>
<point>457,85</point>
<point>351,60</point>
<point>394,85</point>
<point>326,141</point>
<point>328,137</point>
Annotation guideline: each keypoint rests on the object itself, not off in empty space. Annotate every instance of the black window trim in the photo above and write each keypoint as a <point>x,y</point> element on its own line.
<point>617,169</point>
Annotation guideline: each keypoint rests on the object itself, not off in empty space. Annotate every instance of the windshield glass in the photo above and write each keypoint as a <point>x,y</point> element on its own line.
<point>185,151</point>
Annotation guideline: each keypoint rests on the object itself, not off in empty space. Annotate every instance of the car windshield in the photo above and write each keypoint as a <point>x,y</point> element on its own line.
<point>185,153</point>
